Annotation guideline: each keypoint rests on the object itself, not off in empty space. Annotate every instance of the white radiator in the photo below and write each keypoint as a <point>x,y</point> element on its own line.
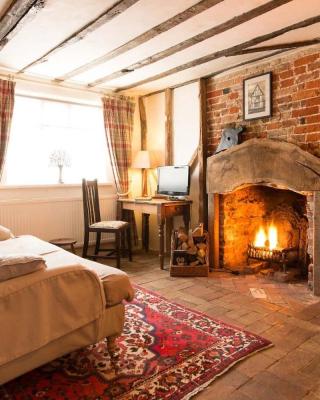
<point>51,218</point>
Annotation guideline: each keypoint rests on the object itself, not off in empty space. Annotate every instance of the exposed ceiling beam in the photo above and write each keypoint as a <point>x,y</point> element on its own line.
<point>243,63</point>
<point>18,14</point>
<point>231,23</point>
<point>230,51</point>
<point>144,37</point>
<point>189,82</point>
<point>102,19</point>
<point>291,45</point>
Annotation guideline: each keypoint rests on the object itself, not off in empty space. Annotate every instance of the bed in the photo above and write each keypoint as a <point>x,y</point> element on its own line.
<point>72,303</point>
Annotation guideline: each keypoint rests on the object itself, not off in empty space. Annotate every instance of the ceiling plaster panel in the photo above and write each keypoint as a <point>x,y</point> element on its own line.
<point>198,24</point>
<point>54,23</point>
<point>137,19</point>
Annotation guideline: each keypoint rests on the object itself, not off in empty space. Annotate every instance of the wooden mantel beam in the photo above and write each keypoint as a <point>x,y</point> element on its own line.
<point>230,51</point>
<point>209,33</point>
<point>102,19</point>
<point>144,37</point>
<point>18,14</point>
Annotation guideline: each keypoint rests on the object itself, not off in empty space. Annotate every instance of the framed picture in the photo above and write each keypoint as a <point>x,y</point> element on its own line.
<point>257,96</point>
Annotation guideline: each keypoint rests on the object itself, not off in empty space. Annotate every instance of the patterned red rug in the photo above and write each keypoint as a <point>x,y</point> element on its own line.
<point>166,352</point>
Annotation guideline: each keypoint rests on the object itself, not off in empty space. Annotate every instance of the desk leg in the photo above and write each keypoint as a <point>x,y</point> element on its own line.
<point>169,227</point>
<point>186,217</point>
<point>145,232</point>
<point>161,242</point>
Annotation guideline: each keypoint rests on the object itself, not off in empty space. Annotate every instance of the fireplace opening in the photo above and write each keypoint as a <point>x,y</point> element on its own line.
<point>264,230</point>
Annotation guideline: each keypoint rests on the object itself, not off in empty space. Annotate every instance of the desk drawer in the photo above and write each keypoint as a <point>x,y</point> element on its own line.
<point>171,211</point>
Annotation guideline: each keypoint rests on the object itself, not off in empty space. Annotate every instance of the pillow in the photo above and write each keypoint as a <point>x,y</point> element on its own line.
<point>14,265</point>
<point>5,233</point>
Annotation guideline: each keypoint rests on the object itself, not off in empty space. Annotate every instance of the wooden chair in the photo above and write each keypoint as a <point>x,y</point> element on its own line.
<point>93,223</point>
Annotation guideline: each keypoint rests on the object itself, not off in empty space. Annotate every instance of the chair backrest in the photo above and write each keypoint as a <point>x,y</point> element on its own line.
<point>90,198</point>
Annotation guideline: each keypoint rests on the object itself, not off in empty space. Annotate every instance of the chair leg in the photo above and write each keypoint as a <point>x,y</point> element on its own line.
<point>118,248</point>
<point>85,244</point>
<point>98,240</point>
<point>128,233</point>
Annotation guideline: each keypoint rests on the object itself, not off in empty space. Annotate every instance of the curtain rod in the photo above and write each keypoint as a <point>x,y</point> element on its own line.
<point>57,100</point>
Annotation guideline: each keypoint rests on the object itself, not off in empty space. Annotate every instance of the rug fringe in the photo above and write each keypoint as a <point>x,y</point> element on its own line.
<point>206,384</point>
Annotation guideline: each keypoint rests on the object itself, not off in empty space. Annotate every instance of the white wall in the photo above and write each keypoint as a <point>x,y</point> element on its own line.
<point>155,115</point>
<point>186,128</point>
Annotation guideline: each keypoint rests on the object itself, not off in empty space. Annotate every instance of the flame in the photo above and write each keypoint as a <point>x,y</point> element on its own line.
<point>263,240</point>
<point>273,237</point>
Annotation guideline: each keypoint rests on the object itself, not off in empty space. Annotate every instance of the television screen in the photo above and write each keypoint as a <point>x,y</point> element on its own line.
<point>174,180</point>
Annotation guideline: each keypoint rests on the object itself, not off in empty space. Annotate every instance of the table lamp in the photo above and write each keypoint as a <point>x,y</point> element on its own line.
<point>144,160</point>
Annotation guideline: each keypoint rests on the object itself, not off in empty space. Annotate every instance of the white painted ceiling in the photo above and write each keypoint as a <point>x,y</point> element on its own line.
<point>58,19</point>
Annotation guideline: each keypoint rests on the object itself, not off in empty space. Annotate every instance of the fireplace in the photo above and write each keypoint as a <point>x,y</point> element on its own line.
<point>264,209</point>
<point>259,225</point>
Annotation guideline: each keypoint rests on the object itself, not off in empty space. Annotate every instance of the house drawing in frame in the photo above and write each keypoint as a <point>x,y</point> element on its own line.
<point>257,96</point>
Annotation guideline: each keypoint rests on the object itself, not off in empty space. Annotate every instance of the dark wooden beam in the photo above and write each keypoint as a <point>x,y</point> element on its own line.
<point>291,45</point>
<point>216,231</point>
<point>231,23</point>
<point>225,52</point>
<point>18,14</point>
<point>202,154</point>
<point>144,37</point>
<point>168,128</point>
<point>143,124</point>
<point>102,19</point>
<point>193,161</point>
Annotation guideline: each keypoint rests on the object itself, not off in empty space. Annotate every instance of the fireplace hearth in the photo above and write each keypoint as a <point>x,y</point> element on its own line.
<point>255,189</point>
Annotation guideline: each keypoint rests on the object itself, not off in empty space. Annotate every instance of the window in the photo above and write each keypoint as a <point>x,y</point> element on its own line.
<point>41,127</point>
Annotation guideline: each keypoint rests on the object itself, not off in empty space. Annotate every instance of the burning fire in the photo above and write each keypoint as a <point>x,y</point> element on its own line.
<point>269,240</point>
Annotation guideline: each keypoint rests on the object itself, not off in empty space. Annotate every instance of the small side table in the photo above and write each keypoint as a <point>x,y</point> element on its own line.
<point>64,242</point>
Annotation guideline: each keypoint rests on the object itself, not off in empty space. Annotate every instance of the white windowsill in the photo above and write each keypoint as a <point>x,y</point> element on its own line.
<point>49,186</point>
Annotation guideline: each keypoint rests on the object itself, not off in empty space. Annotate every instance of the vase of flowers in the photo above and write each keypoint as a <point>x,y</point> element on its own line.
<point>60,158</point>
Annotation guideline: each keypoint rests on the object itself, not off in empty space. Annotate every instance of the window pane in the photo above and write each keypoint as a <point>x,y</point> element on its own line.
<point>40,127</point>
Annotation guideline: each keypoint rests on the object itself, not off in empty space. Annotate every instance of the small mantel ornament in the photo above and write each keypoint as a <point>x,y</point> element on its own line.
<point>229,138</point>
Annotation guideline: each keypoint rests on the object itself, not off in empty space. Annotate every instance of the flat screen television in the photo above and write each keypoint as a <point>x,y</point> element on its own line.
<point>174,180</point>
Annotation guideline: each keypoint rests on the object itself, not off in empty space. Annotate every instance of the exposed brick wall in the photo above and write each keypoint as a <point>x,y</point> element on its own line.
<point>295,108</point>
<point>296,102</point>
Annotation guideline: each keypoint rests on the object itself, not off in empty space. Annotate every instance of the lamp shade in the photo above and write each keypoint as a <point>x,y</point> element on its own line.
<point>143,159</point>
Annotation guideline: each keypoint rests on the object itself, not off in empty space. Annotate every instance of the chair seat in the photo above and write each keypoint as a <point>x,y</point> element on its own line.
<point>109,224</point>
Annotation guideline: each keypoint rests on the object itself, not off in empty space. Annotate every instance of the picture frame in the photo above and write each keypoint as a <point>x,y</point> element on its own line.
<point>257,96</point>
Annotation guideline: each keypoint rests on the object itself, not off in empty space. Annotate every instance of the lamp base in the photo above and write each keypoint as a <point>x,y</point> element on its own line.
<point>144,182</point>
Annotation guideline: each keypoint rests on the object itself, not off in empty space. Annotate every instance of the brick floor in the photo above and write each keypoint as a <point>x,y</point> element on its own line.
<point>289,317</point>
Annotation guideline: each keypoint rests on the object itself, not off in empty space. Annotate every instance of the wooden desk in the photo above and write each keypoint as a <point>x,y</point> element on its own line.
<point>165,210</point>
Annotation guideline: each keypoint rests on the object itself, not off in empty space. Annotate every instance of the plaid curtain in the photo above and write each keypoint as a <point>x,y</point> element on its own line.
<point>118,120</point>
<point>6,111</point>
<point>118,115</point>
